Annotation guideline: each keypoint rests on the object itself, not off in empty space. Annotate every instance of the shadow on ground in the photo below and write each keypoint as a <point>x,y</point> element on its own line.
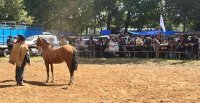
<point>5,81</point>
<point>7,86</point>
<point>128,61</point>
<point>181,62</point>
<point>3,85</point>
<point>36,83</point>
<point>117,60</point>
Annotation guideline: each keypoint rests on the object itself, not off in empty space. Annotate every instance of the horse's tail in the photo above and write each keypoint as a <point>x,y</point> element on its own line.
<point>74,60</point>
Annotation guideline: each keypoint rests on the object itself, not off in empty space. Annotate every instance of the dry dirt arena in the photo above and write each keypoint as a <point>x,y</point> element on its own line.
<point>105,81</point>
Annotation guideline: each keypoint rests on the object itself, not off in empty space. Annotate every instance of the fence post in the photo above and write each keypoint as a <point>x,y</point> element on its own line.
<point>157,52</point>
<point>94,54</point>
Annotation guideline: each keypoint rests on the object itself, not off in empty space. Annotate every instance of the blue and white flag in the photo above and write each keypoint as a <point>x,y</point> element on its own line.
<point>162,25</point>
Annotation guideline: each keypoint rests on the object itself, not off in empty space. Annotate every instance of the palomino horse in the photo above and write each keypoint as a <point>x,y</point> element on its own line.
<point>66,53</point>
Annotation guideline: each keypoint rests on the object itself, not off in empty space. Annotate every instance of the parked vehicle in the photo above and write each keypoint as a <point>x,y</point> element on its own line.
<point>102,36</point>
<point>11,29</point>
<point>31,41</point>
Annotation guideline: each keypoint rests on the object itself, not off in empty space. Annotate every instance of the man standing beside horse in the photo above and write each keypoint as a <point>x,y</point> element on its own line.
<point>20,57</point>
<point>195,41</point>
<point>9,43</point>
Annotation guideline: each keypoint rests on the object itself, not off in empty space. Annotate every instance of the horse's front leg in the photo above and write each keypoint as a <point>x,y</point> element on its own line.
<point>52,73</point>
<point>47,69</point>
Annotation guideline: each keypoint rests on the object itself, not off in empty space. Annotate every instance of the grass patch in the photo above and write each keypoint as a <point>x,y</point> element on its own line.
<point>133,60</point>
<point>118,61</point>
<point>33,59</point>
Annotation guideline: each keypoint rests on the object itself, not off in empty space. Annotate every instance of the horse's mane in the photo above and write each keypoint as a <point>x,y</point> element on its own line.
<point>44,42</point>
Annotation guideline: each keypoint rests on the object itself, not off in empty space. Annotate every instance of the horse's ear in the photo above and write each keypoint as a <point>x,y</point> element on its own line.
<point>39,38</point>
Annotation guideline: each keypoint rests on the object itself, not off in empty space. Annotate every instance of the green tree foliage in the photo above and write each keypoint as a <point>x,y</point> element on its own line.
<point>79,15</point>
<point>110,8</point>
<point>63,15</point>
<point>82,16</point>
<point>147,14</point>
<point>13,10</point>
<point>182,11</point>
<point>196,15</point>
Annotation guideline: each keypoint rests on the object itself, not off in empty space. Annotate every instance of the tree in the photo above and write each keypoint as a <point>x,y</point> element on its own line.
<point>63,15</point>
<point>138,16</point>
<point>109,8</point>
<point>130,9</point>
<point>196,15</point>
<point>182,11</point>
<point>79,15</point>
<point>13,10</point>
<point>82,16</point>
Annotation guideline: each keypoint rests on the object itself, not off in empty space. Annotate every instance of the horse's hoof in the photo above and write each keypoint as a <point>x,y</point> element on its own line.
<point>70,83</point>
<point>46,81</point>
<point>52,81</point>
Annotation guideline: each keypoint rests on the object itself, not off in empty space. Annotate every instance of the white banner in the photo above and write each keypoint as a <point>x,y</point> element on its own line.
<point>162,25</point>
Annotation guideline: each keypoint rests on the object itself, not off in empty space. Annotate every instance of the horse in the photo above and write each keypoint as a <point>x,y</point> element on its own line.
<point>65,53</point>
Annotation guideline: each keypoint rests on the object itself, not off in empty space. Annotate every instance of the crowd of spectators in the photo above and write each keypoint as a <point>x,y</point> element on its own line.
<point>181,46</point>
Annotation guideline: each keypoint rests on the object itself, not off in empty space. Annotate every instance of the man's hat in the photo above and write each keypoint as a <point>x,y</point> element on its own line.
<point>10,36</point>
<point>21,37</point>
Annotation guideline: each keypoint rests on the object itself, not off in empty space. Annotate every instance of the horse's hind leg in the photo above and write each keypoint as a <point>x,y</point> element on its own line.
<point>71,71</point>
<point>71,76</point>
<point>52,73</point>
<point>47,69</point>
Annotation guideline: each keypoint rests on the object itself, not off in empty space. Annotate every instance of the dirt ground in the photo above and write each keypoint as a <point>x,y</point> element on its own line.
<point>105,81</point>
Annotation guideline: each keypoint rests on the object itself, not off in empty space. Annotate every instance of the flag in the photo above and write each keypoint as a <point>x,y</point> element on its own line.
<point>162,25</point>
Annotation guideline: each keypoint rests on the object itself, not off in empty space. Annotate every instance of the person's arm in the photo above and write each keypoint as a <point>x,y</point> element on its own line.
<point>12,58</point>
<point>28,58</point>
<point>9,42</point>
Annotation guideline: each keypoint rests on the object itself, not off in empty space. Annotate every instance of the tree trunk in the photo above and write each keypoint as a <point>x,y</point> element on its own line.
<point>184,24</point>
<point>95,23</point>
<point>101,25</point>
<point>109,20</point>
<point>86,30</point>
<point>127,21</point>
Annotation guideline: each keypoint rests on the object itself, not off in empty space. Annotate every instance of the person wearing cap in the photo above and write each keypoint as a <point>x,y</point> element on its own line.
<point>15,40</point>
<point>20,57</point>
<point>10,43</point>
<point>139,46</point>
<point>195,46</point>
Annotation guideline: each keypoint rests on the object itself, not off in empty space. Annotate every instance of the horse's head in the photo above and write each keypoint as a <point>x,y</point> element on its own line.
<point>39,42</point>
<point>42,42</point>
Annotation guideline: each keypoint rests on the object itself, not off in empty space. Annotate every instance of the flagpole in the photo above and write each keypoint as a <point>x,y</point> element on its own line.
<point>162,25</point>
